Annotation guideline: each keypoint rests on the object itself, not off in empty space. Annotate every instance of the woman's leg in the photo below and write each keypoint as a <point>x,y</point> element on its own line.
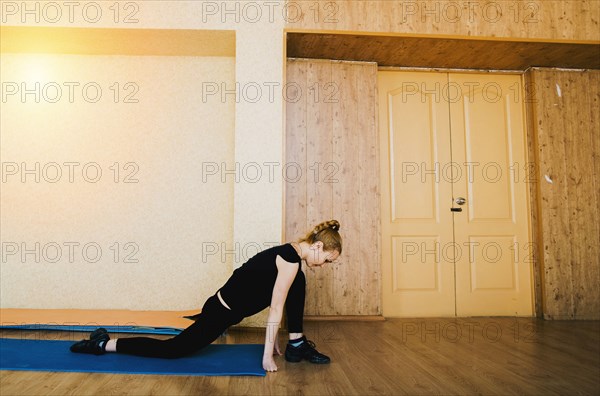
<point>298,347</point>
<point>294,306</point>
<point>213,321</point>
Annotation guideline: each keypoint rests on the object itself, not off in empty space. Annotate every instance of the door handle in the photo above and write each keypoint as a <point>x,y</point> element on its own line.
<point>460,201</point>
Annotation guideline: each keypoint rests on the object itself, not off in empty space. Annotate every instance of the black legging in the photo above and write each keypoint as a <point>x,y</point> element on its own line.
<point>210,324</point>
<point>294,304</point>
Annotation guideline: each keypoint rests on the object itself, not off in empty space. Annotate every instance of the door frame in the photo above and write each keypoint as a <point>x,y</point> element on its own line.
<point>530,159</point>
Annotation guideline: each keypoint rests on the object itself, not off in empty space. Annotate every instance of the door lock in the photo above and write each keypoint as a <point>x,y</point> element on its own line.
<point>460,201</point>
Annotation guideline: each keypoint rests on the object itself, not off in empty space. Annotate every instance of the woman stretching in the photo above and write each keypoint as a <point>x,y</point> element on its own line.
<point>272,278</point>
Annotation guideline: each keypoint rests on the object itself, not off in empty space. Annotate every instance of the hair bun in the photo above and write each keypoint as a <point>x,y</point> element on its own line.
<point>334,225</point>
<point>331,224</point>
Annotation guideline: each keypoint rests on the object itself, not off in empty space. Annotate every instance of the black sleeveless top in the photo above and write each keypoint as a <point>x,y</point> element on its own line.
<point>250,287</point>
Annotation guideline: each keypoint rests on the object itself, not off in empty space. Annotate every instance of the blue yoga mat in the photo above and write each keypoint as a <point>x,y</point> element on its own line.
<point>89,329</point>
<point>215,359</point>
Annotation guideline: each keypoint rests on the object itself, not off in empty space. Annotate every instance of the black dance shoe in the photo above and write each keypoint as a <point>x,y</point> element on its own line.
<point>305,351</point>
<point>95,345</point>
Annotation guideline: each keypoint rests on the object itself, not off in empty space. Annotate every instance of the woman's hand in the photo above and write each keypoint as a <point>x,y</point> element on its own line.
<point>269,363</point>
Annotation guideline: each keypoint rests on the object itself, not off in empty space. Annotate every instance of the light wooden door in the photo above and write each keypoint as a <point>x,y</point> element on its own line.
<point>416,220</point>
<point>493,271</point>
<point>445,137</point>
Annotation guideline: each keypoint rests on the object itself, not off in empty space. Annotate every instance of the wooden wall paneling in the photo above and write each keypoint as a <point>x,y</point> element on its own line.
<point>595,132</point>
<point>557,249</point>
<point>296,224</point>
<point>332,134</point>
<point>578,165</point>
<point>369,224</point>
<point>319,208</point>
<point>346,188</point>
<point>582,180</point>
<point>593,253</point>
<point>566,115</point>
<point>542,19</point>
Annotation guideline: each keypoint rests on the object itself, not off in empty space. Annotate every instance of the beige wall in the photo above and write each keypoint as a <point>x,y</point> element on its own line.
<point>159,212</point>
<point>140,231</point>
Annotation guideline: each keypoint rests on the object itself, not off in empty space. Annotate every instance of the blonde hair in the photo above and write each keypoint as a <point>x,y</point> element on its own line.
<point>326,232</point>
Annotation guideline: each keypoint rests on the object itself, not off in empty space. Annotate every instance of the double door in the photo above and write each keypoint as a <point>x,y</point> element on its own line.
<point>454,209</point>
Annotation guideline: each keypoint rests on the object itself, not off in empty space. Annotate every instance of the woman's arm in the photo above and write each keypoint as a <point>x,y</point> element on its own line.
<point>285,276</point>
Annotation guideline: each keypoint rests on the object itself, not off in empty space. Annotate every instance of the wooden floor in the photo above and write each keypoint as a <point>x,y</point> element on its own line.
<point>491,356</point>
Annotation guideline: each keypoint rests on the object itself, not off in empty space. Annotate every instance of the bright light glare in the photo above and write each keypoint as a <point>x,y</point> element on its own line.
<point>35,68</point>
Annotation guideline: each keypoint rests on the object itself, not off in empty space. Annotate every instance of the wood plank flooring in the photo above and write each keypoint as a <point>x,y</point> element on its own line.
<point>463,356</point>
